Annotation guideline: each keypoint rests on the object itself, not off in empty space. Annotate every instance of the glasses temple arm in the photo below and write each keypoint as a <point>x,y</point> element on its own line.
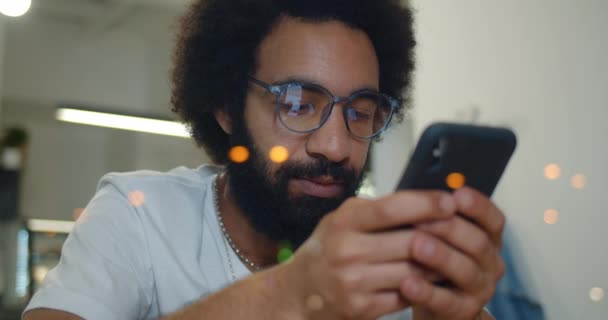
<point>269,87</point>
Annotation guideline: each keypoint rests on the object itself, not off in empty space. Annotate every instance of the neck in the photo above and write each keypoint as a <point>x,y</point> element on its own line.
<point>256,247</point>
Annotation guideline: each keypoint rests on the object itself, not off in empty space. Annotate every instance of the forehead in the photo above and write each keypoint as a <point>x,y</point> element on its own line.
<point>330,53</point>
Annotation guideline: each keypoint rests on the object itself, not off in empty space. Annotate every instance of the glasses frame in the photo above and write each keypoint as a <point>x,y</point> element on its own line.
<point>280,89</point>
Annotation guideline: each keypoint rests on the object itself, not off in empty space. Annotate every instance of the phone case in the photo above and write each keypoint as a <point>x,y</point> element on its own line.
<point>476,153</point>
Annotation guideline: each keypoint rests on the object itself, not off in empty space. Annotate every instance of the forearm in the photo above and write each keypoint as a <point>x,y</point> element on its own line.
<point>264,295</point>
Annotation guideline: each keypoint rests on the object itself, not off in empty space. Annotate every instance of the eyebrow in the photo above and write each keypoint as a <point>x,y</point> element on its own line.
<point>313,82</point>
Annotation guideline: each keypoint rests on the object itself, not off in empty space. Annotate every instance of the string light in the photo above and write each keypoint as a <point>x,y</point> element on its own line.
<point>285,252</point>
<point>455,180</point>
<point>578,181</point>
<point>552,171</point>
<point>238,154</point>
<point>137,198</point>
<point>596,294</point>
<point>77,213</point>
<point>551,216</point>
<point>278,154</point>
<point>284,255</point>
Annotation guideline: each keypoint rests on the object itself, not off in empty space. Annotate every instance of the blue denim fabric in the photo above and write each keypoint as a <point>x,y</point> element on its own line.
<point>512,299</point>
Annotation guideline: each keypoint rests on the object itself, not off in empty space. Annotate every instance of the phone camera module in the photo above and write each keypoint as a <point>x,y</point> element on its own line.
<point>436,152</point>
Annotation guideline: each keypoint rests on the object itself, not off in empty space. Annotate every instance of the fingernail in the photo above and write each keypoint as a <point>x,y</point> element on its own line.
<point>447,203</point>
<point>428,248</point>
<point>466,199</point>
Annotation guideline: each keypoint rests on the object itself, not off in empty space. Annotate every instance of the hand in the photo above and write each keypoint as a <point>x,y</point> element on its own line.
<point>468,256</point>
<point>353,264</point>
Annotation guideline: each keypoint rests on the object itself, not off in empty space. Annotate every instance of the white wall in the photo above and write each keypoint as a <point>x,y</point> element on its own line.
<point>124,68</point>
<point>51,61</point>
<point>539,67</point>
<point>390,155</point>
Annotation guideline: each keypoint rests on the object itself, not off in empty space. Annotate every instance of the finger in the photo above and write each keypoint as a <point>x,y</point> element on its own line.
<point>393,248</point>
<point>439,301</point>
<point>401,209</point>
<point>456,267</point>
<point>386,303</point>
<point>389,246</point>
<point>466,237</point>
<point>388,276</point>
<point>480,209</point>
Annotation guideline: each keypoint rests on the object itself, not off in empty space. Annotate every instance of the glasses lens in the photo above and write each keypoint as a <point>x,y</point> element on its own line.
<point>301,107</point>
<point>367,114</point>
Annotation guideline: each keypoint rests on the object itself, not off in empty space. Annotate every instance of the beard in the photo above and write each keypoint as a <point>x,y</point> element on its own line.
<point>264,199</point>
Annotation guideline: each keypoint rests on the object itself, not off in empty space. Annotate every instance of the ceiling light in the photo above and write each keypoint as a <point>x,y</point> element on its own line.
<point>14,8</point>
<point>39,225</point>
<point>116,121</point>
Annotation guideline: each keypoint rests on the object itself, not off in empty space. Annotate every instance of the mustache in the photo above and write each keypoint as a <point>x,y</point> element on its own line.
<point>315,169</point>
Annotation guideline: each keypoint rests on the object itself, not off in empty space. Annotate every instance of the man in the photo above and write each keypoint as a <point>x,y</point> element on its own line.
<point>314,80</point>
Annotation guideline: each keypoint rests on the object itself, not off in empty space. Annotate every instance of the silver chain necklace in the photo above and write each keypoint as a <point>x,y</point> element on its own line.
<point>227,238</point>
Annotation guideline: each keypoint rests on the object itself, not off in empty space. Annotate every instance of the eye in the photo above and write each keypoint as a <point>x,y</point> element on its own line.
<point>359,115</point>
<point>297,109</point>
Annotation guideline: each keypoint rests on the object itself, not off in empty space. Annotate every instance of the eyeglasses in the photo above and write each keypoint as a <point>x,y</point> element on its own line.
<point>304,107</point>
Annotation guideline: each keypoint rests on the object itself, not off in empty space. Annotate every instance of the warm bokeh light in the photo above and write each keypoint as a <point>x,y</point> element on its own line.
<point>15,8</point>
<point>455,180</point>
<point>552,171</point>
<point>551,216</point>
<point>238,154</point>
<point>315,302</point>
<point>137,198</point>
<point>77,213</point>
<point>578,181</point>
<point>278,154</point>
<point>596,294</point>
<point>39,272</point>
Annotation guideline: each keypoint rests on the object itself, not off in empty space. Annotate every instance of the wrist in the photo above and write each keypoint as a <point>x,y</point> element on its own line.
<point>283,287</point>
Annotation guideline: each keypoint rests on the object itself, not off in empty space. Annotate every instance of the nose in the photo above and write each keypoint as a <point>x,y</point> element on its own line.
<point>331,142</point>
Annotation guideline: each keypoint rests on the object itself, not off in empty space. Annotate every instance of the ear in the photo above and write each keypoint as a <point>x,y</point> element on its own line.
<point>223,119</point>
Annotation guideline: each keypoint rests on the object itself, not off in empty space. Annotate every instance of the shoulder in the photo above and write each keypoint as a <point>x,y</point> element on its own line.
<point>162,201</point>
<point>155,181</point>
<point>145,202</point>
<point>154,204</point>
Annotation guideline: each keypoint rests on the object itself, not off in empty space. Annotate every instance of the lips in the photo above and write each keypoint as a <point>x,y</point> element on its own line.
<point>322,187</point>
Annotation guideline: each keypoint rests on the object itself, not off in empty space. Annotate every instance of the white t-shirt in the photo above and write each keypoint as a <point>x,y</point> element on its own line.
<point>148,244</point>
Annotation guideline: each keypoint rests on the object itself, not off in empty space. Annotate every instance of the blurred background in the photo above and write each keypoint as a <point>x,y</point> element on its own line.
<point>538,67</point>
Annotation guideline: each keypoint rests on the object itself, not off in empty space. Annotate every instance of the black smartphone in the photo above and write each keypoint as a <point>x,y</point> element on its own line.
<point>450,155</point>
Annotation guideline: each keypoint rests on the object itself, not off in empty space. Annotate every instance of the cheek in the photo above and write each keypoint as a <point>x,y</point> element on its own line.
<point>359,155</point>
<point>267,133</point>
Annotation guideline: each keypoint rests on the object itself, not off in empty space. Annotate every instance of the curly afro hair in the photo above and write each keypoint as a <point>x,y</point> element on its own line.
<point>217,46</point>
